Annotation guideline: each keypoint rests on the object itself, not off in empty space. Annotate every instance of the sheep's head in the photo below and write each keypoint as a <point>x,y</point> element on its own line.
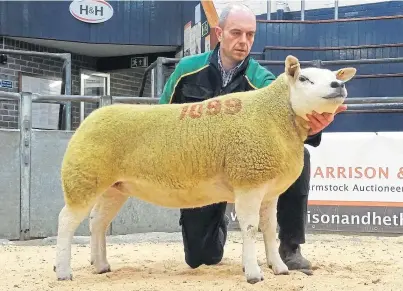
<point>316,89</point>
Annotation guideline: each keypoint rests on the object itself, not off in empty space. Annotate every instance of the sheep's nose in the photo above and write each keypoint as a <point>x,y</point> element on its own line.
<point>335,84</point>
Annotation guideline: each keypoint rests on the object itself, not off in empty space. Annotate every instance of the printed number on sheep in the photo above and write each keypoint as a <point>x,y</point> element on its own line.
<point>245,148</point>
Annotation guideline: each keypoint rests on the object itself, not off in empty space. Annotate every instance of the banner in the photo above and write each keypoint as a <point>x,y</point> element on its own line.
<point>357,169</point>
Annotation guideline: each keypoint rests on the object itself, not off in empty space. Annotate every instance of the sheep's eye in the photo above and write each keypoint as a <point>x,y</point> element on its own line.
<point>304,79</point>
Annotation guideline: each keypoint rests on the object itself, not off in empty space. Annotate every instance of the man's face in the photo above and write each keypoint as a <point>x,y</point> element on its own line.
<point>237,35</point>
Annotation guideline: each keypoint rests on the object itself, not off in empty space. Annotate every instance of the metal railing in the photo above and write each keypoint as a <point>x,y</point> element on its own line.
<point>160,66</point>
<point>66,73</point>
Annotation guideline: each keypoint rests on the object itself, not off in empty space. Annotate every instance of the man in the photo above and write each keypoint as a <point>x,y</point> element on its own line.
<point>226,69</point>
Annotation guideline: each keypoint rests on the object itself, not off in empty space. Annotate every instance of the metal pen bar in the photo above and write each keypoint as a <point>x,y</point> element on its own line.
<point>268,17</point>
<point>335,62</point>
<point>48,101</point>
<point>267,62</point>
<point>372,111</point>
<point>152,83</point>
<point>369,101</point>
<point>362,61</point>
<point>165,61</point>
<point>375,106</point>
<point>67,91</point>
<point>145,75</point>
<point>366,100</point>
<point>378,101</point>
<point>160,78</point>
<point>336,9</point>
<point>9,96</point>
<point>25,126</point>
<point>65,98</point>
<point>262,62</point>
<point>141,100</point>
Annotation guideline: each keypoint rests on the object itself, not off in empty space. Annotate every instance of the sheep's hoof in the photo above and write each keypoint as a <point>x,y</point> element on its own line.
<point>66,278</point>
<point>104,269</point>
<point>254,276</point>
<point>63,277</point>
<point>254,280</point>
<point>280,269</point>
<point>107,270</point>
<point>281,272</point>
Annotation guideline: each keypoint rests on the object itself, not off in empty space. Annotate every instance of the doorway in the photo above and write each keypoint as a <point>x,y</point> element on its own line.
<point>93,84</point>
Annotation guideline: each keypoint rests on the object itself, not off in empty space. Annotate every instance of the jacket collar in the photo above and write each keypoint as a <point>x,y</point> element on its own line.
<point>214,60</point>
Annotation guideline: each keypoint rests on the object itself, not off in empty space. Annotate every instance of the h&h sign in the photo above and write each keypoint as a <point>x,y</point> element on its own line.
<point>91,11</point>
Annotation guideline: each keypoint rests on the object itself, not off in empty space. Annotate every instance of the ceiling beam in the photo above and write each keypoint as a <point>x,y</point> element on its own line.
<point>211,12</point>
<point>212,18</point>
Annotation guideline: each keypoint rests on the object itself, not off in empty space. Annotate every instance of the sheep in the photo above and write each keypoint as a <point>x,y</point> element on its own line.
<point>244,148</point>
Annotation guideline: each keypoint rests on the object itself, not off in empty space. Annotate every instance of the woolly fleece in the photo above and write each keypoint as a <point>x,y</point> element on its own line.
<point>150,148</point>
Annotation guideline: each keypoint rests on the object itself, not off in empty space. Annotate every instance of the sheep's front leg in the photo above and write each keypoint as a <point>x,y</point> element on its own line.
<point>268,224</point>
<point>247,205</point>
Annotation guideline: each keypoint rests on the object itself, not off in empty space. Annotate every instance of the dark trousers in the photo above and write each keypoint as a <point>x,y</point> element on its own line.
<point>204,230</point>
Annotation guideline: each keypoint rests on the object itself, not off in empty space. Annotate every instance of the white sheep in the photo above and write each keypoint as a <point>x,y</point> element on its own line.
<point>244,148</point>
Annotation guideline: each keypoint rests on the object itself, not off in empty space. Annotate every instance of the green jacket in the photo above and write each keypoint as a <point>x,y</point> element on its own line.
<point>198,78</point>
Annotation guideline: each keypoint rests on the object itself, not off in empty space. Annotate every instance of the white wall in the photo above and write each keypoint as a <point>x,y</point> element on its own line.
<point>260,6</point>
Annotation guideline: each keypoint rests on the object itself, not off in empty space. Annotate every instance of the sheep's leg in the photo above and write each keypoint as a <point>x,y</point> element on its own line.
<point>247,207</point>
<point>268,224</point>
<point>104,211</point>
<point>69,219</point>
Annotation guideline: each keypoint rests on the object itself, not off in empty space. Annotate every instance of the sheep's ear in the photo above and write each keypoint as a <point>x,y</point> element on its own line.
<point>345,74</point>
<point>292,66</point>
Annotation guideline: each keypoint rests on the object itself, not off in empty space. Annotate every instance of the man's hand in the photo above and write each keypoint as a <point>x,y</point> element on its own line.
<point>318,122</point>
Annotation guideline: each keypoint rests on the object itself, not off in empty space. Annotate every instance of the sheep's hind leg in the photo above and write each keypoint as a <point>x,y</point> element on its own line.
<point>247,205</point>
<point>268,224</point>
<point>104,211</point>
<point>69,219</point>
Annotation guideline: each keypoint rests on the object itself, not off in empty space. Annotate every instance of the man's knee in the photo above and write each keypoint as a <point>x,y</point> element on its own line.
<point>214,260</point>
<point>204,232</point>
<point>209,254</point>
<point>193,262</point>
<point>196,259</point>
